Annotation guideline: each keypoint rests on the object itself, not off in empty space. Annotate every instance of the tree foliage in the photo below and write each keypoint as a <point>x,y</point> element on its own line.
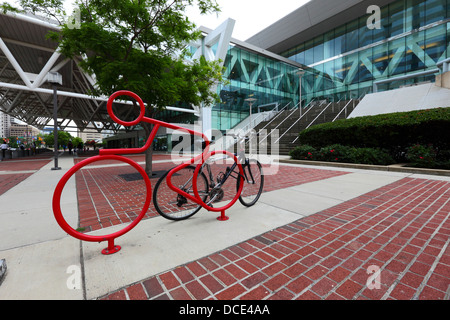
<point>136,45</point>
<point>63,139</point>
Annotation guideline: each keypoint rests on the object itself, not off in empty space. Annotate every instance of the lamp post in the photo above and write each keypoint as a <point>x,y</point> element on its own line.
<point>300,74</point>
<point>55,79</point>
<point>250,102</point>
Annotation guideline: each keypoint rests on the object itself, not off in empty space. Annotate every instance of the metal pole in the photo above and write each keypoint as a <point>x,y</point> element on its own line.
<point>251,105</point>
<point>300,94</point>
<point>55,126</point>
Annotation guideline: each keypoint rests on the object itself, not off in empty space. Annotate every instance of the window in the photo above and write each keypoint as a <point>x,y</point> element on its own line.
<point>435,44</point>
<point>396,21</point>
<point>351,37</point>
<point>435,10</point>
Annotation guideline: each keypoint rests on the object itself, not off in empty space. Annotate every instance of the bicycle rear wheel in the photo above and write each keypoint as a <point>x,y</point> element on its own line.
<point>222,169</point>
<point>253,183</point>
<point>174,206</point>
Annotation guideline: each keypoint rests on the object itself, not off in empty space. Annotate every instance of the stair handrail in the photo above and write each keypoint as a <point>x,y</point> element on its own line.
<point>261,114</point>
<point>289,115</point>
<point>279,113</point>
<point>304,114</point>
<point>324,109</point>
<point>345,108</point>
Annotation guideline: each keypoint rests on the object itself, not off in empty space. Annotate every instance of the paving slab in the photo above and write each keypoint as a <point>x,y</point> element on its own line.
<point>158,244</point>
<point>43,271</point>
<point>400,229</point>
<point>282,230</point>
<point>346,187</point>
<point>26,215</point>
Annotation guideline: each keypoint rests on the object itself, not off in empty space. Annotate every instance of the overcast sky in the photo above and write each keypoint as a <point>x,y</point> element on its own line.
<point>251,16</point>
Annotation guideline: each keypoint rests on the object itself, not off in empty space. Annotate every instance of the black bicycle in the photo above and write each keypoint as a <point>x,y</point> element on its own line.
<point>213,184</point>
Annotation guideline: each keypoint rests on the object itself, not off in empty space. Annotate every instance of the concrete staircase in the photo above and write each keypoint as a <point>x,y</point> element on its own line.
<point>288,123</point>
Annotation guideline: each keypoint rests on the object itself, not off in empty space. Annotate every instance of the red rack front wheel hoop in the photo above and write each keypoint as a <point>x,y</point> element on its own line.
<point>110,237</point>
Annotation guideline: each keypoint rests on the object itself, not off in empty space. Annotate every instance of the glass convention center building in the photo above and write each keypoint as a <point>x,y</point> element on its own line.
<point>344,48</point>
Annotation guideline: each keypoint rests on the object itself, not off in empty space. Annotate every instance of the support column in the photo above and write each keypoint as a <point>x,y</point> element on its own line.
<point>206,119</point>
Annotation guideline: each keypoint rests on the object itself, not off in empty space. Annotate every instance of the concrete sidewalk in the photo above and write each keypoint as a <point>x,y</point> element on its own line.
<point>37,251</point>
<point>44,263</point>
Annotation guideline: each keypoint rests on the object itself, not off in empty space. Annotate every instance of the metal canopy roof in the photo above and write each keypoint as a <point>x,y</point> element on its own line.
<point>26,57</point>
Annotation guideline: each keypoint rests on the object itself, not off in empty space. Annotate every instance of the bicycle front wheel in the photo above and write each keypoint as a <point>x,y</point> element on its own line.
<point>174,206</point>
<point>253,183</point>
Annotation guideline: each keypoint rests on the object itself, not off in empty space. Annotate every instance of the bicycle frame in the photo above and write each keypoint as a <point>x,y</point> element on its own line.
<point>113,154</point>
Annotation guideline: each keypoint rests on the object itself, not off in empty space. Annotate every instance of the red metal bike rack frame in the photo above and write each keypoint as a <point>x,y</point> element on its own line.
<point>196,198</point>
<point>81,236</point>
<point>112,154</point>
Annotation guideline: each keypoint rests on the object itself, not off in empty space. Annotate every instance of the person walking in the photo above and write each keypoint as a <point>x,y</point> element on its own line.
<point>70,147</point>
<point>4,147</point>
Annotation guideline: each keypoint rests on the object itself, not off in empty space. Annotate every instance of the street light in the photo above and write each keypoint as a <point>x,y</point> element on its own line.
<point>250,102</point>
<point>55,79</point>
<point>300,74</point>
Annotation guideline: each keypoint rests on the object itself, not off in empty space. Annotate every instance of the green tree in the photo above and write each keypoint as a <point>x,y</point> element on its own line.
<point>77,141</point>
<point>63,139</point>
<point>135,45</point>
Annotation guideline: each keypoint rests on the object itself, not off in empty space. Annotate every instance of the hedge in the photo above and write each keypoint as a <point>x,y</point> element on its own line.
<point>344,154</point>
<point>428,157</point>
<point>394,132</point>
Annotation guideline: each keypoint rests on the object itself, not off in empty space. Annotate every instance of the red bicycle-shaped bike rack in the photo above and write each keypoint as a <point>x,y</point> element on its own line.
<point>114,154</point>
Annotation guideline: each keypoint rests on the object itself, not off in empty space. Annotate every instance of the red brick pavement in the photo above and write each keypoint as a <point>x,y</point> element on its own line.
<point>8,181</point>
<point>23,165</point>
<point>119,201</point>
<point>403,229</point>
<point>12,177</point>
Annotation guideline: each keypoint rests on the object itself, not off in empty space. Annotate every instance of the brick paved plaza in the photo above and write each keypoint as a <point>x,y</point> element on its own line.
<point>401,228</point>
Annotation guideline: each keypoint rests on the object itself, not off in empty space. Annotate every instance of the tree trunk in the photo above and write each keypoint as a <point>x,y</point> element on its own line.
<point>148,127</point>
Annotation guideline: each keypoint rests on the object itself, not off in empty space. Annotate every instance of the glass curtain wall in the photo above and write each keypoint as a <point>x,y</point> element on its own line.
<point>414,37</point>
<point>253,81</point>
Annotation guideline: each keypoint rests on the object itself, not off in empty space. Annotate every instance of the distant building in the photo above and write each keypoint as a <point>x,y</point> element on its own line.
<point>23,130</point>
<point>88,135</point>
<point>5,125</point>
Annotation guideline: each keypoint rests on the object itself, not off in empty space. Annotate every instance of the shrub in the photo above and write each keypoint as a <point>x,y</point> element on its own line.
<point>372,156</point>
<point>304,152</point>
<point>345,154</point>
<point>428,157</point>
<point>422,156</point>
<point>337,153</point>
<point>393,132</point>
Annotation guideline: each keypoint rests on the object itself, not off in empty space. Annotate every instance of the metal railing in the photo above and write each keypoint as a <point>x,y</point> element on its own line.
<point>273,119</point>
<point>317,117</point>
<point>261,117</point>
<point>309,108</point>
<point>274,130</point>
<point>343,109</point>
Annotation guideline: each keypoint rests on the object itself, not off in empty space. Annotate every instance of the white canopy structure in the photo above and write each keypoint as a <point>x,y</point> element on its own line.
<point>27,57</point>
